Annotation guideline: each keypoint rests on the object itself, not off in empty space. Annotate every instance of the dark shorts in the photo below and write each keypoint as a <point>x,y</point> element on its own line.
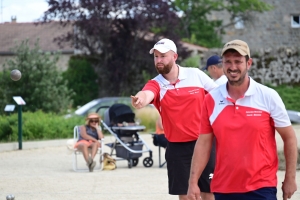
<point>267,193</point>
<point>179,158</point>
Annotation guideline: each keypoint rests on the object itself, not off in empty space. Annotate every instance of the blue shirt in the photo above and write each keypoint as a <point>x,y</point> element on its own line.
<point>90,131</point>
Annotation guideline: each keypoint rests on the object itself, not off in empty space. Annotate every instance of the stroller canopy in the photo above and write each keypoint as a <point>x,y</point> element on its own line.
<point>119,113</point>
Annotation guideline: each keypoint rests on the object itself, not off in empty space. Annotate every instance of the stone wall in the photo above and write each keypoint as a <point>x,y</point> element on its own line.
<point>276,66</point>
<point>274,44</point>
<point>268,29</point>
<point>272,66</point>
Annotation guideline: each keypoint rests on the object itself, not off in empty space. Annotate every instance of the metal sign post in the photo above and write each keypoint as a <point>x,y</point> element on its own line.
<point>9,108</point>
<point>20,102</point>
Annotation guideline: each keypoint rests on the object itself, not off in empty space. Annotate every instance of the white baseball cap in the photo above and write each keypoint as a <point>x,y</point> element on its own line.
<point>163,46</point>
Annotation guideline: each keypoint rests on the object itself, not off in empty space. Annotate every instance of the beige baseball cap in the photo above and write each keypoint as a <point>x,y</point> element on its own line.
<point>238,45</point>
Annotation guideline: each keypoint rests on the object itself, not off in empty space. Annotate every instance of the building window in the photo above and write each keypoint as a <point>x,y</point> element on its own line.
<point>295,21</point>
<point>238,23</point>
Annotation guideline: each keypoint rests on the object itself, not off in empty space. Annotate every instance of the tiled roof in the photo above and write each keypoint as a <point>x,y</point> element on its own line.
<point>12,33</point>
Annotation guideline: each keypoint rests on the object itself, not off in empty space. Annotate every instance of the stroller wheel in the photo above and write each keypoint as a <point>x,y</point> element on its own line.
<point>130,163</point>
<point>135,162</point>
<point>148,162</point>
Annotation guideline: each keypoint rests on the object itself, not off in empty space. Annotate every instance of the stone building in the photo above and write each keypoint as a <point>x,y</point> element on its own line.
<point>271,29</point>
<point>12,33</point>
<point>274,41</point>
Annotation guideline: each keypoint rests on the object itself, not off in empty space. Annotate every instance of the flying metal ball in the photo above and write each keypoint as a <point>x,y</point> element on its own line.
<point>15,75</point>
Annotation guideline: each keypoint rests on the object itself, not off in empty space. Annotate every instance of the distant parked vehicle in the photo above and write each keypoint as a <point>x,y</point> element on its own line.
<point>93,105</point>
<point>294,116</point>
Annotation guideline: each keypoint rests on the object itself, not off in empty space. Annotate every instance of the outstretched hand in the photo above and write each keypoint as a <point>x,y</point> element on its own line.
<point>136,102</point>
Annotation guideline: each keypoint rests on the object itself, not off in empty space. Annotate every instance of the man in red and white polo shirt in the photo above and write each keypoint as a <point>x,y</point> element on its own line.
<point>178,93</point>
<point>242,116</point>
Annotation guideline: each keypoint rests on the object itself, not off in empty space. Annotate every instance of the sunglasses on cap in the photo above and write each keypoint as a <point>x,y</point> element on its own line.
<point>94,120</point>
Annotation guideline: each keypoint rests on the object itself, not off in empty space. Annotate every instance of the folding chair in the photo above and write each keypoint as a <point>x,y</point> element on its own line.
<point>77,152</point>
<point>159,159</point>
<point>161,164</point>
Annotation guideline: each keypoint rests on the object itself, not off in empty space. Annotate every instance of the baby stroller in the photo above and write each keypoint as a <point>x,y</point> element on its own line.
<point>119,121</point>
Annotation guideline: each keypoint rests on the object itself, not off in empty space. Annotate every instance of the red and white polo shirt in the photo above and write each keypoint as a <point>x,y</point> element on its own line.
<point>246,154</point>
<point>180,104</point>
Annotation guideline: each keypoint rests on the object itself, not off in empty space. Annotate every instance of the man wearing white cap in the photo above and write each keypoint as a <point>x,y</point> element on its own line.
<point>242,116</point>
<point>177,93</point>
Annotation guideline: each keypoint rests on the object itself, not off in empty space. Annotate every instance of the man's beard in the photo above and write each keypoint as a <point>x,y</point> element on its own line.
<point>240,80</point>
<point>165,70</point>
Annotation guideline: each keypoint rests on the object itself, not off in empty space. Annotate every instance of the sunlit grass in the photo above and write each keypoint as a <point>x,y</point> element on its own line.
<point>37,126</point>
<point>290,96</point>
<point>147,117</point>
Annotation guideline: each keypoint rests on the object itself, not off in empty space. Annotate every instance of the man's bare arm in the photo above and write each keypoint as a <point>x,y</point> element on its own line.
<point>199,161</point>
<point>288,136</point>
<point>142,98</point>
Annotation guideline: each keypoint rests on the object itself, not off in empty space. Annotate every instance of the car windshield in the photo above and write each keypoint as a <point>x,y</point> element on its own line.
<point>82,110</point>
<point>95,104</point>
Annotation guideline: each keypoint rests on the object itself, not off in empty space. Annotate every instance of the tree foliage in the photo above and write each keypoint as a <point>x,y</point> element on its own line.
<point>82,79</point>
<point>198,28</point>
<point>192,61</point>
<point>41,86</point>
<point>119,34</point>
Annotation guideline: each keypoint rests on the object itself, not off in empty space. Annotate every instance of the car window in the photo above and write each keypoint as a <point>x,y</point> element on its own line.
<point>83,109</point>
<point>95,104</point>
<point>126,101</point>
<point>99,104</point>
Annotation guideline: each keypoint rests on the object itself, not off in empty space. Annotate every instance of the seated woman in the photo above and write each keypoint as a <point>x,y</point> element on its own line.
<point>160,134</point>
<point>88,138</point>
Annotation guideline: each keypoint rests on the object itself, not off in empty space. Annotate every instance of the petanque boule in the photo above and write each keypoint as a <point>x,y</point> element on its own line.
<point>10,197</point>
<point>15,75</point>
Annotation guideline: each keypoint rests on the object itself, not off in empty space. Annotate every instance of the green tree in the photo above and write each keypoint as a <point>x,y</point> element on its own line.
<point>82,79</point>
<point>197,27</point>
<point>41,86</point>
<point>118,33</point>
<point>192,61</point>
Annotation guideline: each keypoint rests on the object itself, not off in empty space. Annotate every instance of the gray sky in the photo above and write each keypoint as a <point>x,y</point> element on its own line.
<point>24,10</point>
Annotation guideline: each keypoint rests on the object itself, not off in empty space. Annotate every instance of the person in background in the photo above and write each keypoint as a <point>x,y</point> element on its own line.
<point>88,139</point>
<point>177,93</point>
<point>243,116</point>
<point>215,69</point>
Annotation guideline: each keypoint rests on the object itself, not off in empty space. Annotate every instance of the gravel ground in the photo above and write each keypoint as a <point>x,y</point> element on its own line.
<point>46,173</point>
